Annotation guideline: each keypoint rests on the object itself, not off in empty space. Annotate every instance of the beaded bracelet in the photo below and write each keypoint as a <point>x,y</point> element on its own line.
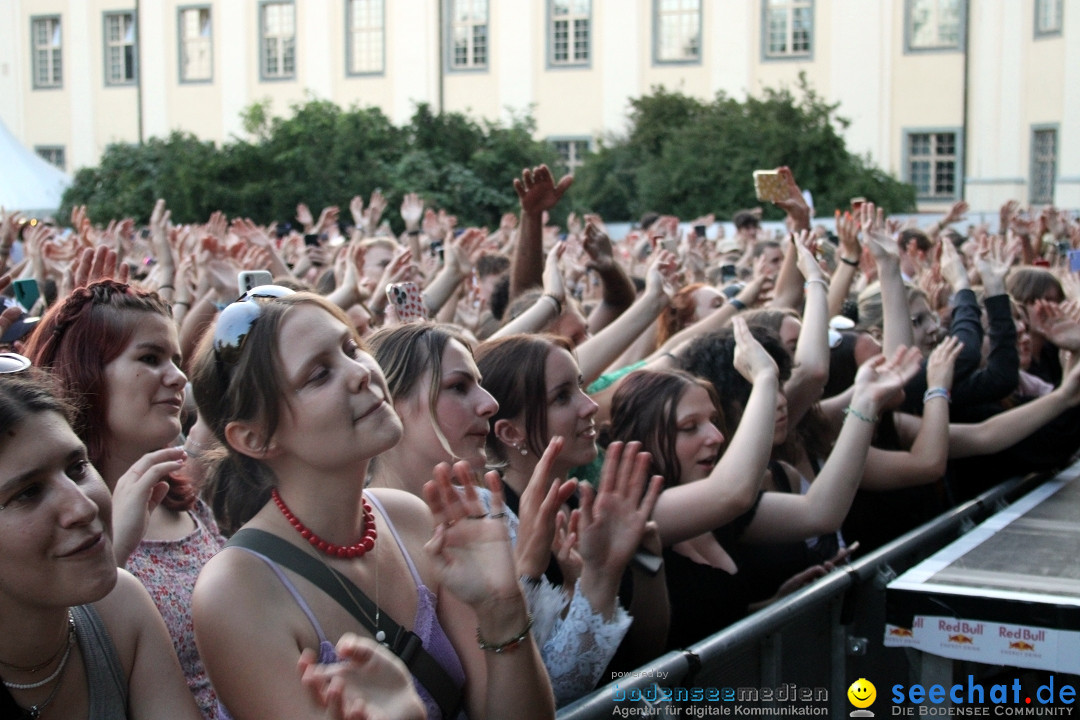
<point>855,413</point>
<point>846,261</point>
<point>509,644</point>
<point>934,392</point>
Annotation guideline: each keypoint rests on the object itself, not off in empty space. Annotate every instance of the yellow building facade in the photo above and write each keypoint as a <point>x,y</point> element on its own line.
<point>964,98</point>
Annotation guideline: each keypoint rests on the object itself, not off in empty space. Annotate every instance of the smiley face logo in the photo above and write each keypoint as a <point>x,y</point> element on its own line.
<point>862,693</point>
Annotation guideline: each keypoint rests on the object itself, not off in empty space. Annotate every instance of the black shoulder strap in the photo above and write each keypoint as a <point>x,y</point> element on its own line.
<point>404,643</point>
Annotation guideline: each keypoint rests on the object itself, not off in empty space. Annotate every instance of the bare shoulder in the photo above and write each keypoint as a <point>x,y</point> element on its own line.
<point>128,613</point>
<point>409,513</point>
<point>233,578</point>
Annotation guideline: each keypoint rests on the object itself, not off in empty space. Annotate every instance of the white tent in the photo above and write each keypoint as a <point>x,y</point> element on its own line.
<point>28,183</point>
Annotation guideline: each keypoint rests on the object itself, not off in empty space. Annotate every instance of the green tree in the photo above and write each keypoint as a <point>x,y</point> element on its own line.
<point>689,157</point>
<point>321,155</point>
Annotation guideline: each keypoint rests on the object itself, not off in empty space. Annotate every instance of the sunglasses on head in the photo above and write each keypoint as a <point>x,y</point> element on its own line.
<point>236,320</point>
<point>13,363</point>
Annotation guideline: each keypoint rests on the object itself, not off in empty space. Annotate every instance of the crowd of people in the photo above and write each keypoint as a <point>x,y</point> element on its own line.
<point>327,471</point>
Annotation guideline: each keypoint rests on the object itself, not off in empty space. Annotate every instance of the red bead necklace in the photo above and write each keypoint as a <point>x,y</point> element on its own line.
<point>342,551</point>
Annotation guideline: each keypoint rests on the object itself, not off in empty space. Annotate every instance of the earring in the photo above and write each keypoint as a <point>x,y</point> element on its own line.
<point>522,450</point>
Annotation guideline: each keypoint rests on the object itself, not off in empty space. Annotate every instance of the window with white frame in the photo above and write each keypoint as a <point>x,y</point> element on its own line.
<point>469,34</point>
<point>934,24</point>
<point>569,34</point>
<point>120,39</point>
<point>933,164</point>
<point>278,51</point>
<point>678,31</point>
<point>1043,165</point>
<point>196,45</point>
<point>788,28</point>
<point>572,152</point>
<point>47,58</point>
<point>1048,17</point>
<point>366,36</point>
<point>53,154</point>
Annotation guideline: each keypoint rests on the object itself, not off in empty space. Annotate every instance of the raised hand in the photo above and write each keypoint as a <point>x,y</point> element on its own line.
<point>807,263</point>
<point>1007,213</point>
<point>942,362</point>
<point>12,314</point>
<point>952,267</point>
<point>880,379</point>
<point>376,206</point>
<point>883,247</point>
<point>554,283</point>
<point>303,216</point>
<point>137,493</point>
<point>537,190</point>
<point>1058,323</point>
<point>470,549</point>
<point>94,265</point>
<point>539,506</point>
<point>368,682</point>
<point>356,209</point>
<point>751,359</point>
<point>565,549</point>
<point>662,275</point>
<point>463,251</point>
<point>956,213</point>
<point>847,229</point>
<point>794,204</point>
<point>612,523</point>
<point>412,209</point>
<point>327,219</point>
<point>597,246</point>
<point>993,260</point>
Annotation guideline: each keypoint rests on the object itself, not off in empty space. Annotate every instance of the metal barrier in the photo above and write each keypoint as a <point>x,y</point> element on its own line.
<point>822,637</point>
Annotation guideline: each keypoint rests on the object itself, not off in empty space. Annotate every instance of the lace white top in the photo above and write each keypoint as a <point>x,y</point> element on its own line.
<point>575,641</point>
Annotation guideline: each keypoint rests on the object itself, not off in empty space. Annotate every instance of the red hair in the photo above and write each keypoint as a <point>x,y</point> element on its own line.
<point>76,340</point>
<point>679,314</point>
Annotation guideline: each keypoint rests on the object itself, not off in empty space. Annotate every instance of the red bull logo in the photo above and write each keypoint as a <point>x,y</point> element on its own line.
<point>901,632</point>
<point>1021,645</point>
<point>961,639</point>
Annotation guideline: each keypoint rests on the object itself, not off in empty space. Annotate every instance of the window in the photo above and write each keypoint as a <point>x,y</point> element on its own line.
<point>278,25</point>
<point>572,152</point>
<point>120,38</point>
<point>45,40</point>
<point>469,34</point>
<point>365,38</point>
<point>569,34</point>
<point>196,46</point>
<point>1043,164</point>
<point>933,164</point>
<point>789,28</point>
<point>677,36</point>
<point>934,24</point>
<point>1047,17</point>
<point>53,154</point>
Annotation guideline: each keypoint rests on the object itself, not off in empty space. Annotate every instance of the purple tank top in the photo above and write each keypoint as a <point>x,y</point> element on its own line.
<point>426,623</point>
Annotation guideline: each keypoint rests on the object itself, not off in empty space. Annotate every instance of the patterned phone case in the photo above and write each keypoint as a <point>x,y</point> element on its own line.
<point>407,301</point>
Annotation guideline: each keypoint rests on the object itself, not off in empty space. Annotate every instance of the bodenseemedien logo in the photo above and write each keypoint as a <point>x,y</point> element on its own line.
<point>861,694</point>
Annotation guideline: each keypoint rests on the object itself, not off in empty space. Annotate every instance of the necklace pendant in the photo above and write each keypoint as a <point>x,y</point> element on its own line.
<point>380,637</point>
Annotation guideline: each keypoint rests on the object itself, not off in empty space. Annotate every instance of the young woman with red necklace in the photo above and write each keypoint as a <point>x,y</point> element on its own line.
<point>302,409</point>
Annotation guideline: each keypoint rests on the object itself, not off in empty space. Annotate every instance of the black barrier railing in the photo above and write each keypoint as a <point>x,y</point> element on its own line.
<point>813,643</point>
